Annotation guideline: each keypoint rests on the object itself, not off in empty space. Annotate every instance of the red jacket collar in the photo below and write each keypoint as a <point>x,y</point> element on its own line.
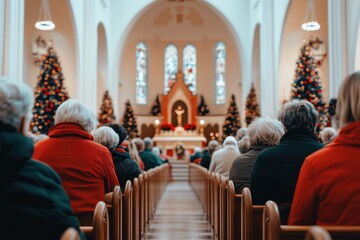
<point>69,129</point>
<point>349,135</point>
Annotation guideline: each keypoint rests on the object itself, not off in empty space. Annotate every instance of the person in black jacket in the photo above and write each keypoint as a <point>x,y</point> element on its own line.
<point>207,153</point>
<point>277,168</point>
<point>125,167</point>
<point>33,203</point>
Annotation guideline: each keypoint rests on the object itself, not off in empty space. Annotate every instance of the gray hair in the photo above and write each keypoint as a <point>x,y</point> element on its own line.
<point>74,111</point>
<point>212,145</point>
<point>156,151</point>
<point>244,144</point>
<point>348,101</point>
<point>242,132</point>
<point>299,114</point>
<point>197,150</point>
<point>106,136</point>
<point>148,143</point>
<point>265,131</point>
<point>139,143</point>
<point>230,140</point>
<point>16,101</point>
<point>328,134</point>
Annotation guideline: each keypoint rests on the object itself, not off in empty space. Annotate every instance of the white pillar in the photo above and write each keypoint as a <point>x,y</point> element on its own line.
<point>12,55</point>
<point>337,45</point>
<point>269,102</point>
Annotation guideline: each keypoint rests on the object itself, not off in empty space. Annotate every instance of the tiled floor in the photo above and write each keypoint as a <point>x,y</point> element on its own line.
<point>179,215</point>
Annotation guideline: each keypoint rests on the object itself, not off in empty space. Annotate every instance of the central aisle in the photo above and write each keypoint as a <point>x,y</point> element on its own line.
<point>179,215</point>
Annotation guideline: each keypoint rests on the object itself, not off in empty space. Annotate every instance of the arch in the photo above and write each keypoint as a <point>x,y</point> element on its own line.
<point>171,63</point>
<point>256,63</point>
<point>102,63</point>
<point>292,37</point>
<point>190,67</point>
<point>65,41</point>
<point>160,14</point>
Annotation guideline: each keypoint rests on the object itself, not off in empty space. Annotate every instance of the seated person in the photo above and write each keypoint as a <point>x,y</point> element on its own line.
<point>263,133</point>
<point>242,132</point>
<point>125,167</point>
<point>196,157</point>
<point>206,159</point>
<point>82,164</point>
<point>328,189</point>
<point>277,168</point>
<point>149,159</point>
<point>33,204</point>
<point>244,145</point>
<point>327,135</point>
<point>134,154</point>
<point>222,159</point>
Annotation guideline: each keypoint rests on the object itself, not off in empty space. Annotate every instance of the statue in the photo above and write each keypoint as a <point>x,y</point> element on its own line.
<point>179,112</point>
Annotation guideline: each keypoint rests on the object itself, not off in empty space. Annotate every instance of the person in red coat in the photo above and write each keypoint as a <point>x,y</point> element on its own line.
<point>85,167</point>
<point>328,189</point>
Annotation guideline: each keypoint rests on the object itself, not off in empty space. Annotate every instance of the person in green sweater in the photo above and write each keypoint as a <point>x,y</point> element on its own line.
<point>33,203</point>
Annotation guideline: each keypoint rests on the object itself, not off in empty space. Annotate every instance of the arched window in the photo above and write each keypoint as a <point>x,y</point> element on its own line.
<point>220,70</point>
<point>141,73</point>
<point>171,66</point>
<point>189,67</point>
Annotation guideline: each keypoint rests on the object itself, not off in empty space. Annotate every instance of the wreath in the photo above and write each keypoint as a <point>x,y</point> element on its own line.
<point>179,150</point>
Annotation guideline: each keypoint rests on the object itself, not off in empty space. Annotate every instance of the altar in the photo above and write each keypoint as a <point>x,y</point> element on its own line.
<point>177,133</point>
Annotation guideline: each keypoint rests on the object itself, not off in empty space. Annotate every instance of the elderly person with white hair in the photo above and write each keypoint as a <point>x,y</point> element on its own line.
<point>242,132</point>
<point>149,158</point>
<point>222,159</point>
<point>207,153</point>
<point>125,167</point>
<point>328,190</point>
<point>81,163</point>
<point>327,135</point>
<point>263,133</point>
<point>277,168</point>
<point>34,205</point>
<point>196,157</point>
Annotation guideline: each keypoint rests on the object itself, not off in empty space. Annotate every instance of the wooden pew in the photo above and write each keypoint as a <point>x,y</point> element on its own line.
<point>216,185</point>
<point>233,212</point>
<point>142,205</point>
<point>127,212</point>
<point>136,210</point>
<point>212,199</point>
<point>114,204</point>
<point>70,234</point>
<point>273,230</point>
<point>223,209</point>
<point>146,201</point>
<point>317,233</point>
<point>251,217</point>
<point>99,230</point>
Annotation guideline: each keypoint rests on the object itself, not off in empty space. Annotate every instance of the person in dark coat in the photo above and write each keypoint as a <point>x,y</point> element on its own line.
<point>145,152</point>
<point>196,157</point>
<point>263,133</point>
<point>125,168</point>
<point>33,203</point>
<point>207,153</point>
<point>276,169</point>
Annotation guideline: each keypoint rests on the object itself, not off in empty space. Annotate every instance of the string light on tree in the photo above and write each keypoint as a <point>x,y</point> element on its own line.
<point>106,114</point>
<point>203,109</point>
<point>232,120</point>
<point>49,93</point>
<point>252,107</point>
<point>156,108</point>
<point>129,120</point>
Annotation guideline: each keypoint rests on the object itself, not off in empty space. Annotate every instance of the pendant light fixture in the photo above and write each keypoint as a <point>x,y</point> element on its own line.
<point>44,23</point>
<point>310,23</point>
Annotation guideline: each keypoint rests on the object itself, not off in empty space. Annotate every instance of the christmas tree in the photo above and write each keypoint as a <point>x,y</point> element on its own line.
<point>106,114</point>
<point>49,93</point>
<point>331,111</point>
<point>129,120</point>
<point>307,84</point>
<point>252,107</point>
<point>156,109</point>
<point>203,108</point>
<point>232,121</point>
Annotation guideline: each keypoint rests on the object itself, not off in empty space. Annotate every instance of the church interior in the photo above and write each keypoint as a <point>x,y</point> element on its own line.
<point>179,76</point>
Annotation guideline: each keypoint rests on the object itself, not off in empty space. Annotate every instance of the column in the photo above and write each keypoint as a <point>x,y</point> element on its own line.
<point>12,55</point>
<point>337,45</point>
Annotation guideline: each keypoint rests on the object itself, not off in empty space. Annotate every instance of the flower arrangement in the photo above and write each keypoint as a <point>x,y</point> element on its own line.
<point>190,127</point>
<point>167,127</point>
<point>180,151</point>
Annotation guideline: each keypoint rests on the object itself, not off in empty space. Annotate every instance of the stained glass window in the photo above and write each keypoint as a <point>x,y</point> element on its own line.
<point>171,66</point>
<point>189,67</point>
<point>141,73</point>
<point>220,69</point>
